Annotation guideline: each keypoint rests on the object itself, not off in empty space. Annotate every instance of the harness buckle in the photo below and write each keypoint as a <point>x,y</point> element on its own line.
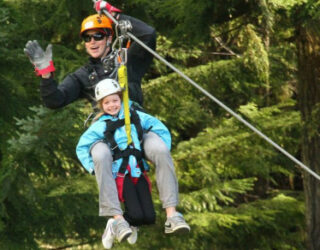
<point>120,175</point>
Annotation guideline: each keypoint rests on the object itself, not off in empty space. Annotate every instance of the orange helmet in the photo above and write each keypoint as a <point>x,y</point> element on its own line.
<point>95,21</point>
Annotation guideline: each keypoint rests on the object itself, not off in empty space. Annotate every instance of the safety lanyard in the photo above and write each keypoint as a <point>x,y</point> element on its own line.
<point>123,79</point>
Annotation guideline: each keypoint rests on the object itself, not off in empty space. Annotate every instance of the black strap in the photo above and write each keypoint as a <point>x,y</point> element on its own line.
<point>136,121</point>
<point>124,154</point>
<point>112,126</point>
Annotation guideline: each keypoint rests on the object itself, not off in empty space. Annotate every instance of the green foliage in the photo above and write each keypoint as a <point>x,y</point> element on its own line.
<point>215,193</point>
<point>285,4</point>
<point>231,81</point>
<point>74,202</point>
<point>275,223</point>
<point>52,147</point>
<point>41,150</point>
<point>256,57</point>
<point>190,24</point>
<point>231,151</point>
<point>13,94</point>
<point>261,221</point>
<point>182,55</point>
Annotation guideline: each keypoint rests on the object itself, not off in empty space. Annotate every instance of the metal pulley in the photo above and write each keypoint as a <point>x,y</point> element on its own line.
<point>108,62</point>
<point>124,26</point>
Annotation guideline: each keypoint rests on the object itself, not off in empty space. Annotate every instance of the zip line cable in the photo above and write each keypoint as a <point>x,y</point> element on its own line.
<point>303,166</point>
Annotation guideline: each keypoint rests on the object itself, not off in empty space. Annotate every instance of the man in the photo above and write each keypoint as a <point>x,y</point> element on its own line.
<point>97,33</point>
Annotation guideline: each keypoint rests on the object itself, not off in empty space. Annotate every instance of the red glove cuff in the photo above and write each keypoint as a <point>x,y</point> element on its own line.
<point>101,5</point>
<point>110,8</point>
<point>46,70</point>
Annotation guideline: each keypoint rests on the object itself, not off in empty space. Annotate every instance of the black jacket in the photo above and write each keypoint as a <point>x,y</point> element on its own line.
<point>78,85</point>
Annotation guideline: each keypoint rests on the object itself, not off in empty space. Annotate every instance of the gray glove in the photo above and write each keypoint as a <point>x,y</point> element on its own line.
<point>40,59</point>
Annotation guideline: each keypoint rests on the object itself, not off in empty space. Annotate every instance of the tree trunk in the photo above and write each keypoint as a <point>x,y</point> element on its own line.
<point>308,50</point>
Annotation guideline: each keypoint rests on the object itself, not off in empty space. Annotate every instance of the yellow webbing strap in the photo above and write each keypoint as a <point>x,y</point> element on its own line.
<point>123,81</point>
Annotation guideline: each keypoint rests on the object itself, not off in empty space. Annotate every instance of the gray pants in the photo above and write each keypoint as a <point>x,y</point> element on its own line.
<point>155,151</point>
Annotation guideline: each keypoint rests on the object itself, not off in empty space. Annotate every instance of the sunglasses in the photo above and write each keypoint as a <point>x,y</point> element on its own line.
<point>96,36</point>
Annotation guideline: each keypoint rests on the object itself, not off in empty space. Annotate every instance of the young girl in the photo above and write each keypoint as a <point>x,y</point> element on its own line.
<point>128,166</point>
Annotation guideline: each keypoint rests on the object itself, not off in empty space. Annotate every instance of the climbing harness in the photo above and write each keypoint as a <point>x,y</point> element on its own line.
<point>124,154</point>
<point>205,92</point>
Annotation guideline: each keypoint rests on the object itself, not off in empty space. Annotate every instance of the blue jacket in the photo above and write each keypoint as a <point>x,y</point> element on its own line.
<point>95,133</point>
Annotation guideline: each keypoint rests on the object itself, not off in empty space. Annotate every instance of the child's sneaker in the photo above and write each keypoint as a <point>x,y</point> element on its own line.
<point>132,239</point>
<point>122,229</point>
<point>176,224</point>
<point>108,235</point>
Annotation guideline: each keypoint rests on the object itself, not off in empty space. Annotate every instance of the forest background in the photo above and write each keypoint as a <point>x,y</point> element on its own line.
<point>259,57</point>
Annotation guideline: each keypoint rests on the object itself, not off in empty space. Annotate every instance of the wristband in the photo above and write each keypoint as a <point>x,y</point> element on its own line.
<point>46,70</point>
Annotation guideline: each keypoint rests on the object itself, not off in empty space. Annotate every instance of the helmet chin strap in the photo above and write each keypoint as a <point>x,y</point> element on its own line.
<point>108,43</point>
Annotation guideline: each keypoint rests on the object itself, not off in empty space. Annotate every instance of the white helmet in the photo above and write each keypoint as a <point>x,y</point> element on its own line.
<point>106,87</point>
